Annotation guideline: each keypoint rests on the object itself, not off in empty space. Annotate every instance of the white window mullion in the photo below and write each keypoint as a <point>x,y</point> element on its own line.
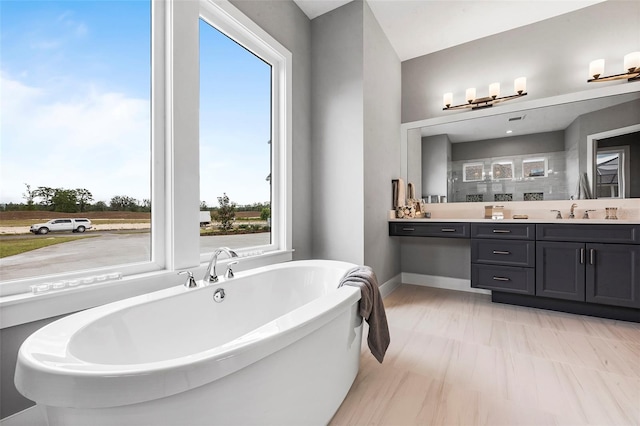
<point>182,176</point>
<point>160,55</point>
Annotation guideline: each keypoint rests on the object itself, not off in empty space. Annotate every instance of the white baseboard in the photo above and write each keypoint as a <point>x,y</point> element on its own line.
<point>32,416</point>
<point>449,283</point>
<point>389,286</point>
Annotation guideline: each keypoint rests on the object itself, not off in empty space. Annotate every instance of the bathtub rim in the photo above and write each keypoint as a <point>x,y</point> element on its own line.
<point>63,382</point>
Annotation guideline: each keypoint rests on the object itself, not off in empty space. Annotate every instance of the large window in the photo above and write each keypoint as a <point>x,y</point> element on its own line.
<point>245,134</point>
<point>100,121</point>
<point>235,144</point>
<point>76,135</point>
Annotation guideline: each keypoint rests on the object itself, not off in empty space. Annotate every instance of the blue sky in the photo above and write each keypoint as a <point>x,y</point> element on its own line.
<point>75,103</point>
<point>235,122</point>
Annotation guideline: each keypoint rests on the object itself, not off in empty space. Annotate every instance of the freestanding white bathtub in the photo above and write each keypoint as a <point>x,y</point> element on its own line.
<point>282,348</point>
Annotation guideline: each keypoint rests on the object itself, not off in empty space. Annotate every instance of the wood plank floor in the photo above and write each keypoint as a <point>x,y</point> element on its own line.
<point>457,359</point>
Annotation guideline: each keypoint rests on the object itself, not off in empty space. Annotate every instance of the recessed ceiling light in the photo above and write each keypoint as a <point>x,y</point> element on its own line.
<point>509,131</point>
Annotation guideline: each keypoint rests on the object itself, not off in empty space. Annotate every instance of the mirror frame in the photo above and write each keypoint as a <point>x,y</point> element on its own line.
<point>599,92</point>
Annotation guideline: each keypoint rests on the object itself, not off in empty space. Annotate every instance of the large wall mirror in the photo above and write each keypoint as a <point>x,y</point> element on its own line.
<point>577,146</point>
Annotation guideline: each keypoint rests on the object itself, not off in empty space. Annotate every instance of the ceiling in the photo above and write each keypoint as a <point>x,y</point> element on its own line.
<point>419,27</point>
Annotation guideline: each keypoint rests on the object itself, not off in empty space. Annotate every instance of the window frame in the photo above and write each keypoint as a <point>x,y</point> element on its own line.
<point>174,157</point>
<point>157,142</point>
<point>227,19</point>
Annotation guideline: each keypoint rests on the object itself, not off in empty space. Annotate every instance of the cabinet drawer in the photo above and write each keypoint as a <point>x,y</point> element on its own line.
<point>504,252</point>
<point>503,278</point>
<point>596,233</point>
<point>516,231</point>
<point>433,229</point>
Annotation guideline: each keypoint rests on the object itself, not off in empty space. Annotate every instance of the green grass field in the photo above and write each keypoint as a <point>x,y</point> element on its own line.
<point>13,246</point>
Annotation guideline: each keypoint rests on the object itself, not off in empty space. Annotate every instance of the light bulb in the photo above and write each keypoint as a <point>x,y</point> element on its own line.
<point>596,68</point>
<point>447,99</point>
<point>632,62</point>
<point>520,85</point>
<point>494,90</point>
<point>470,94</point>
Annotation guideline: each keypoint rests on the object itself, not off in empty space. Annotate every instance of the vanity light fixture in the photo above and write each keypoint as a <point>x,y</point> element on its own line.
<point>520,87</point>
<point>631,67</point>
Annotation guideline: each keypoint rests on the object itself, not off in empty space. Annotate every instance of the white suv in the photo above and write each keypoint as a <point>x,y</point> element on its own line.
<point>58,225</point>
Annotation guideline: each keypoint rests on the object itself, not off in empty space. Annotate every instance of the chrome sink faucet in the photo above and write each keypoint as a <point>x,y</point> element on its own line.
<point>210,275</point>
<point>558,214</point>
<point>571,214</point>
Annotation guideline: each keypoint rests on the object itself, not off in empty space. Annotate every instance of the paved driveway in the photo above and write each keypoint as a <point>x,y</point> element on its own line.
<point>105,250</point>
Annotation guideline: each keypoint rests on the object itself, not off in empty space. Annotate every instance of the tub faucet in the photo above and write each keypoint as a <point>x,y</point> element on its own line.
<point>571,214</point>
<point>210,275</point>
<point>191,282</point>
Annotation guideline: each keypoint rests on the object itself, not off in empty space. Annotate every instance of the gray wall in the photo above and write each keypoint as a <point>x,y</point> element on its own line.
<point>382,74</point>
<point>445,257</point>
<point>356,123</point>
<point>553,54</point>
<point>11,401</point>
<point>285,22</point>
<point>516,145</point>
<point>337,81</point>
<point>436,154</point>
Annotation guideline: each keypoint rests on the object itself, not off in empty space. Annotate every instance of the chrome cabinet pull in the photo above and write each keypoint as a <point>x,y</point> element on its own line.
<point>501,279</point>
<point>592,256</point>
<point>501,231</point>
<point>448,230</point>
<point>501,252</point>
<point>582,256</point>
<point>408,229</point>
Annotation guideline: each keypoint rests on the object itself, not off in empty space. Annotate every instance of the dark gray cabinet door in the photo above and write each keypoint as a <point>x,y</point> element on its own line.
<point>560,270</point>
<point>613,274</point>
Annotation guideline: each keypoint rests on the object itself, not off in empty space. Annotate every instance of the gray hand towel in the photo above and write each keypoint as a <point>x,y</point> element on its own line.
<point>371,308</point>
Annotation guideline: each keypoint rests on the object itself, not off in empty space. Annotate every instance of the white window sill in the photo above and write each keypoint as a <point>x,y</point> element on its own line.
<point>26,307</point>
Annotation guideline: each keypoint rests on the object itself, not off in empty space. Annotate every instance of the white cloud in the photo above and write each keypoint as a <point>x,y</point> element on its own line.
<point>91,139</point>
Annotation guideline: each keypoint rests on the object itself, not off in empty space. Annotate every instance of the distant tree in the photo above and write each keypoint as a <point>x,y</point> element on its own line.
<point>65,200</point>
<point>146,205</point>
<point>46,195</point>
<point>226,213</point>
<point>265,213</point>
<point>84,197</point>
<point>100,206</point>
<point>203,205</point>
<point>29,195</point>
<point>123,203</point>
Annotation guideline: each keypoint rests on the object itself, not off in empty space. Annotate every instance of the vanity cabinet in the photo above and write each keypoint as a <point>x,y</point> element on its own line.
<point>589,263</point>
<point>583,268</point>
<point>503,257</point>
<point>430,229</point>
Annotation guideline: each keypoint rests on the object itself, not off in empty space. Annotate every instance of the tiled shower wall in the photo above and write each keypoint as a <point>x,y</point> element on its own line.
<point>553,186</point>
